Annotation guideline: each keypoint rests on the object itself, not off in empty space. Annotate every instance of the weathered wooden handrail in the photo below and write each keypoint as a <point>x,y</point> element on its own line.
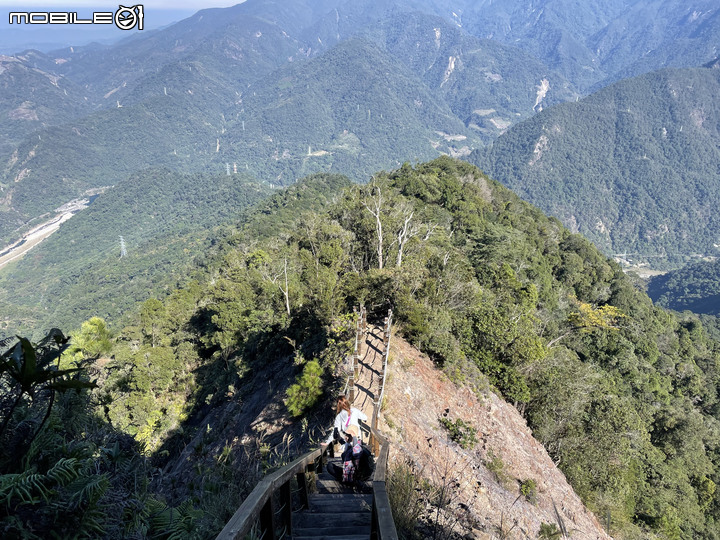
<point>259,503</point>
<point>383,525</point>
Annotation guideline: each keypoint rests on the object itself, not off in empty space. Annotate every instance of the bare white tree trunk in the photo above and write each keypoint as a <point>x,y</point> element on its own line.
<point>376,211</point>
<point>404,235</point>
<point>286,291</point>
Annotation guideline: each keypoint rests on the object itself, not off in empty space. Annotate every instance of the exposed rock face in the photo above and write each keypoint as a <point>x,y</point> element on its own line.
<point>481,505</point>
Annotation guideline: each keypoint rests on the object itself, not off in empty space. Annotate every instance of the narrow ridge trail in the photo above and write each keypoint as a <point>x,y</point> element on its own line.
<point>341,512</point>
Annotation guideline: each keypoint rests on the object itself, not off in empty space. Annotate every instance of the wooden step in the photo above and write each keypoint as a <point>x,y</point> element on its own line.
<point>333,537</point>
<point>339,502</point>
<point>360,531</point>
<point>335,488</point>
<point>330,519</point>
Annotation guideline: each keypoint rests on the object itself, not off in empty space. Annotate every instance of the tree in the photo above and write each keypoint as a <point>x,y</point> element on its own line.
<point>589,318</point>
<point>305,392</point>
<point>93,339</point>
<point>375,209</point>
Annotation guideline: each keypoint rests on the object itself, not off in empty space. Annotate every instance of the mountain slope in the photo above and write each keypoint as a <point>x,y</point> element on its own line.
<point>166,220</point>
<point>622,394</point>
<point>695,287</point>
<point>506,482</point>
<point>651,35</point>
<point>351,110</point>
<point>31,98</point>
<point>594,44</point>
<point>489,86</point>
<point>633,167</point>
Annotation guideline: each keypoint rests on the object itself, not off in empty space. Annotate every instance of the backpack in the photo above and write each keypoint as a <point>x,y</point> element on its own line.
<point>357,467</point>
<point>365,464</point>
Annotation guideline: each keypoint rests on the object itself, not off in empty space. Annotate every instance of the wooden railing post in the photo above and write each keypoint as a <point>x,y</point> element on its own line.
<point>286,508</point>
<point>267,530</point>
<point>351,386</point>
<point>303,489</point>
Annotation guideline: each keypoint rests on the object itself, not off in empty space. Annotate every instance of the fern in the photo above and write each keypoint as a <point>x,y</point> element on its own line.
<point>87,490</point>
<point>66,470</point>
<point>172,523</point>
<point>22,488</point>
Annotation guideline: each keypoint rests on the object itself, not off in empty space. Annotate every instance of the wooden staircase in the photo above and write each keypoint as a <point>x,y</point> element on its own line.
<point>331,511</point>
<point>335,512</point>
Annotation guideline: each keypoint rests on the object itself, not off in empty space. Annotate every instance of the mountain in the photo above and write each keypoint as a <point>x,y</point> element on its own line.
<point>651,35</point>
<point>166,220</point>
<point>32,98</point>
<point>695,287</point>
<point>234,87</point>
<point>595,44</point>
<point>177,97</point>
<point>634,167</point>
<point>489,86</point>
<point>353,110</point>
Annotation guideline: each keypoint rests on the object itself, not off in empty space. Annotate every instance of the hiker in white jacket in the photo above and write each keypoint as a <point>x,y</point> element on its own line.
<point>346,417</point>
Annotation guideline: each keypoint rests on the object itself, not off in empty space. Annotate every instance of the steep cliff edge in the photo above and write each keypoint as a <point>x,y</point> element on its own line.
<point>481,503</point>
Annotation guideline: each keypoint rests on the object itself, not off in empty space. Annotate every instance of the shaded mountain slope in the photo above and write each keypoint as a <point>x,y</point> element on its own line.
<point>695,287</point>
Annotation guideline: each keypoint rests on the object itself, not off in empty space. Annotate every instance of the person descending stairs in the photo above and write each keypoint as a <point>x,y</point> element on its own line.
<point>336,510</point>
<point>330,510</point>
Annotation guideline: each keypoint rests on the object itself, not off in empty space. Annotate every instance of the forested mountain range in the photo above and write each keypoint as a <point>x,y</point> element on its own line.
<point>185,97</point>
<point>215,89</point>
<point>634,167</point>
<point>622,393</point>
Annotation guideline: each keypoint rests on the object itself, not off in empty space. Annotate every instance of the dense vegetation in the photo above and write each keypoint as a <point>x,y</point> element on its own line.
<point>165,219</point>
<point>622,393</point>
<point>633,167</point>
<point>695,287</point>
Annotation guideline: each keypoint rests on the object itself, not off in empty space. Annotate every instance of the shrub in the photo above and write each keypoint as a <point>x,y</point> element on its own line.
<point>305,392</point>
<point>460,431</point>
<point>404,491</point>
<point>528,489</point>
